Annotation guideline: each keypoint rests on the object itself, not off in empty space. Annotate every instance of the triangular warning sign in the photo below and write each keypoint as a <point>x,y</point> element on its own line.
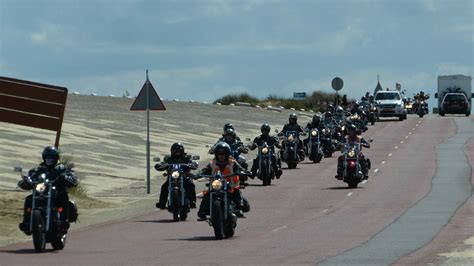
<point>154,101</point>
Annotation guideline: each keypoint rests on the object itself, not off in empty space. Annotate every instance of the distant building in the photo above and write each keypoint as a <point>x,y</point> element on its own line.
<point>378,88</point>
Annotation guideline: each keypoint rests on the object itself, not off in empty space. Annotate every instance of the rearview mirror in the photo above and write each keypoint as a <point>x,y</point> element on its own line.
<point>436,95</point>
<point>157,159</point>
<point>276,130</point>
<point>371,140</point>
<point>196,157</point>
<point>17,169</point>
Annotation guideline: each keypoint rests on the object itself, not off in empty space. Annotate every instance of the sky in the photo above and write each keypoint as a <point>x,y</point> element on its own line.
<point>202,50</point>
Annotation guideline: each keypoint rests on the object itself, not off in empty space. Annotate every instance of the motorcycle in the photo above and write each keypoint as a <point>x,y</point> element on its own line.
<point>327,142</point>
<point>372,114</point>
<point>289,151</point>
<point>421,108</point>
<point>314,151</point>
<point>45,223</point>
<point>352,169</point>
<point>265,166</point>
<point>178,202</point>
<point>222,208</point>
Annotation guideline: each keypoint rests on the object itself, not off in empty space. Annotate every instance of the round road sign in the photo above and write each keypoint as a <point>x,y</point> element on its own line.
<point>337,83</point>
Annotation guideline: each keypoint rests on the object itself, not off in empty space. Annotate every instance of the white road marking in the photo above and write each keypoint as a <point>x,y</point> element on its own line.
<point>401,141</point>
<point>349,194</point>
<point>325,210</point>
<point>376,170</point>
<point>389,155</point>
<point>413,129</point>
<point>279,228</point>
<point>383,162</point>
<point>417,125</point>
<point>406,137</point>
<point>409,133</point>
<point>396,147</point>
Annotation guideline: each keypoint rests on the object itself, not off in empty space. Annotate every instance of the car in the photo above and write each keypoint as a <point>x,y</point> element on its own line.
<point>390,104</point>
<point>455,103</point>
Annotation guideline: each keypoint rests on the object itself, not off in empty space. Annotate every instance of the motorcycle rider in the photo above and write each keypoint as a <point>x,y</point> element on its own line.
<point>227,166</point>
<point>230,138</point>
<point>229,126</point>
<point>351,139</point>
<point>339,116</point>
<point>270,140</point>
<point>314,124</point>
<point>293,126</point>
<point>65,179</point>
<point>177,156</point>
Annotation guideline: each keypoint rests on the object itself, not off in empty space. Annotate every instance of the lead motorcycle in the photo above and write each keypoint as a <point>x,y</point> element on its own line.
<point>222,208</point>
<point>314,149</point>
<point>45,222</point>
<point>178,203</point>
<point>352,169</point>
<point>327,141</point>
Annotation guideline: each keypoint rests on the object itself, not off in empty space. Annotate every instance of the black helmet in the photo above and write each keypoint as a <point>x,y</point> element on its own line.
<point>351,127</point>
<point>293,118</point>
<point>229,133</point>
<point>50,152</point>
<point>177,149</point>
<point>328,114</point>
<point>316,119</point>
<point>227,126</point>
<point>265,129</point>
<point>339,110</point>
<point>363,98</point>
<point>330,107</point>
<point>222,147</point>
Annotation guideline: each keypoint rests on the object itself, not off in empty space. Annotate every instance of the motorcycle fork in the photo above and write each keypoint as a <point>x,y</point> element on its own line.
<point>170,190</point>
<point>226,199</point>
<point>181,187</point>
<point>48,208</point>
<point>33,206</point>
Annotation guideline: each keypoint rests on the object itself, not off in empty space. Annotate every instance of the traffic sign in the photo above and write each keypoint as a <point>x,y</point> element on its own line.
<point>337,83</point>
<point>147,99</point>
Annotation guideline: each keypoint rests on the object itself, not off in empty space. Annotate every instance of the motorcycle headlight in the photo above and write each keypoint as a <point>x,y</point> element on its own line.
<point>314,133</point>
<point>325,131</point>
<point>40,188</point>
<point>175,175</point>
<point>351,154</point>
<point>216,184</point>
<point>343,128</point>
<point>265,150</point>
<point>290,138</point>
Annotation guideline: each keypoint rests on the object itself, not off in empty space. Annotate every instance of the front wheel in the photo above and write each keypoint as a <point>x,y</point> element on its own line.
<point>175,205</point>
<point>291,165</point>
<point>39,235</point>
<point>353,184</point>
<point>217,219</point>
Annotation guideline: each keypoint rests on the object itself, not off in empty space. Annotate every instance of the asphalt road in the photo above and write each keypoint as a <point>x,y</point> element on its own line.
<point>307,216</point>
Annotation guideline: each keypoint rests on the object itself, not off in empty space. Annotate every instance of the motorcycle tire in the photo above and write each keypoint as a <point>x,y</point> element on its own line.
<point>372,122</point>
<point>59,242</point>
<point>217,217</point>
<point>229,229</point>
<point>318,158</point>
<point>352,184</point>
<point>39,236</point>
<point>183,215</point>
<point>176,200</point>
<point>292,165</point>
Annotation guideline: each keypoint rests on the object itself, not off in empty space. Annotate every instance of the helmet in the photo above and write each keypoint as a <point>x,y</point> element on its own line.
<point>229,134</point>
<point>227,126</point>
<point>222,147</point>
<point>339,110</point>
<point>328,114</point>
<point>265,129</point>
<point>177,149</point>
<point>50,155</point>
<point>363,98</point>
<point>293,118</point>
<point>316,119</point>
<point>330,107</point>
<point>351,127</point>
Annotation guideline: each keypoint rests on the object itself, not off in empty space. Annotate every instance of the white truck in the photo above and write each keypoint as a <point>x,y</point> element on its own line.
<point>454,95</point>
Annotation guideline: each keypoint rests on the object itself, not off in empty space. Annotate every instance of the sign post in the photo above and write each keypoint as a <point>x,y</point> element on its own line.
<point>337,85</point>
<point>147,100</point>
